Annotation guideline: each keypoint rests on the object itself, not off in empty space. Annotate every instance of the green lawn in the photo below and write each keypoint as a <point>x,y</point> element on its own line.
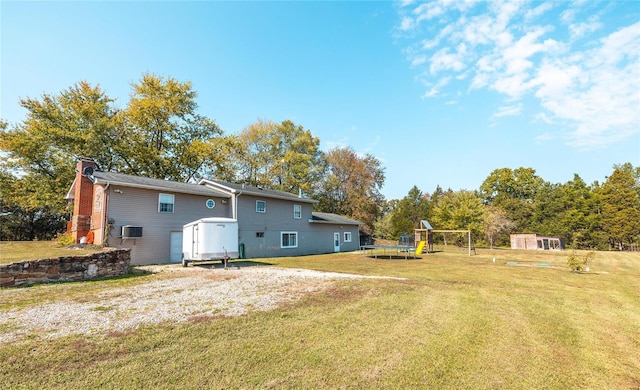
<point>455,322</point>
<point>16,251</point>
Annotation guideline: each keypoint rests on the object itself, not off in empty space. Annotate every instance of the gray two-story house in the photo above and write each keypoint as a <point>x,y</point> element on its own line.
<point>147,215</point>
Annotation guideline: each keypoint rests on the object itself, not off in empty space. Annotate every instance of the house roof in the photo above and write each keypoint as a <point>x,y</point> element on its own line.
<point>255,191</point>
<point>206,187</point>
<point>122,179</point>
<point>317,217</point>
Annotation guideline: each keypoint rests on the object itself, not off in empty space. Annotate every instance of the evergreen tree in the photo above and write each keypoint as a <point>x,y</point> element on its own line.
<point>408,212</point>
<point>621,207</point>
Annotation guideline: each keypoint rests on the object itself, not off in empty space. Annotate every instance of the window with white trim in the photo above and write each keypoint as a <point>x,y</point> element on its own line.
<point>261,206</point>
<point>288,239</point>
<point>297,211</point>
<point>165,203</point>
<point>347,236</point>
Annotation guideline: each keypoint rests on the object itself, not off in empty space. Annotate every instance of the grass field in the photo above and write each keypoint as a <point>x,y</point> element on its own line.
<point>455,322</point>
<point>14,251</point>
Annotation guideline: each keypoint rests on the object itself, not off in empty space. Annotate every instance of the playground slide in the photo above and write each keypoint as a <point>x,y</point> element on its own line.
<point>420,247</point>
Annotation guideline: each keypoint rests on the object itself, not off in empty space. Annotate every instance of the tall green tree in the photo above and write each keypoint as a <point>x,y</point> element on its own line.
<point>582,217</point>
<point>22,215</point>
<point>282,156</point>
<point>513,191</point>
<point>621,207</point>
<point>504,184</point>
<point>549,209</point>
<point>43,149</point>
<point>409,211</point>
<point>461,210</point>
<point>383,228</point>
<point>352,186</point>
<point>161,135</point>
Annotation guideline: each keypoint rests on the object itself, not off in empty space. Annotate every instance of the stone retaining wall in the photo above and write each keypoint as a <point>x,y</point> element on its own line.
<point>103,264</point>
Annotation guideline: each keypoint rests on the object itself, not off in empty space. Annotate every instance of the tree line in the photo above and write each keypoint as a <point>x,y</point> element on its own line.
<point>160,134</point>
<point>596,216</point>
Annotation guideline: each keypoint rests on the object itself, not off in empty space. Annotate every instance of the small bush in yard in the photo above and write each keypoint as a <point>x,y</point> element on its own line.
<point>580,263</point>
<point>65,239</point>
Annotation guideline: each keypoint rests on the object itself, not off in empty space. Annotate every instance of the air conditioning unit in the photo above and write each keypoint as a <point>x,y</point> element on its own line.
<point>129,231</point>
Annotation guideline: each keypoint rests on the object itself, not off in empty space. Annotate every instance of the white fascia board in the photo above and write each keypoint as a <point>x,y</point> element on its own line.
<point>219,186</point>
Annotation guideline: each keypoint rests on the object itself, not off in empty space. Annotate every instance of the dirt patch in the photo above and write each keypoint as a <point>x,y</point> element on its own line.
<point>177,295</point>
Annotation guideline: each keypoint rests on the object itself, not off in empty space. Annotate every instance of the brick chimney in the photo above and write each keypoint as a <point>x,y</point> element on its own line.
<point>83,199</point>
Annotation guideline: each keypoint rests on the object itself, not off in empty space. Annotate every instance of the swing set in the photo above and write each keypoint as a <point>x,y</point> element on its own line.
<point>424,237</point>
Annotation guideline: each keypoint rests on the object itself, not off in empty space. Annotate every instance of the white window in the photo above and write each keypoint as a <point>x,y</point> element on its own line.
<point>288,239</point>
<point>261,206</point>
<point>165,203</point>
<point>347,236</point>
<point>297,211</point>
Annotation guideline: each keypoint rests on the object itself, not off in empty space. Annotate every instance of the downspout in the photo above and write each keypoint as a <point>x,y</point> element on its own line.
<point>234,205</point>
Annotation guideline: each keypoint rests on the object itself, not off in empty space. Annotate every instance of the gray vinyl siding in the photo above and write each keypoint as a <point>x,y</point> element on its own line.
<point>324,237</point>
<point>313,238</point>
<point>139,207</point>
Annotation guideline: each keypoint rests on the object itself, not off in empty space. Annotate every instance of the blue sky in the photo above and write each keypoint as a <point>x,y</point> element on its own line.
<point>441,92</point>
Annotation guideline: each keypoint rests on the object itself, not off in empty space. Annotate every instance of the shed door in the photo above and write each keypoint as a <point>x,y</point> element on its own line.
<point>195,238</point>
<point>175,253</point>
<point>336,242</point>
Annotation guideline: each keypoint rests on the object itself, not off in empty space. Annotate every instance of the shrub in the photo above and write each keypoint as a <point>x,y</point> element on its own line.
<point>580,263</point>
<point>65,239</point>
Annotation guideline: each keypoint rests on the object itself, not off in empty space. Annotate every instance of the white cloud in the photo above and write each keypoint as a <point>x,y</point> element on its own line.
<point>419,60</point>
<point>544,137</point>
<point>435,88</point>
<point>590,85</point>
<point>430,43</point>
<point>508,111</point>
<point>601,95</point>
<point>568,15</point>
<point>578,30</point>
<point>513,86</point>
<point>505,11</point>
<point>622,44</point>
<point>407,24</point>
<point>479,30</point>
<point>543,117</point>
<point>427,11</point>
<point>406,3</point>
<point>554,79</point>
<point>537,11</point>
<point>445,60</point>
<point>517,55</point>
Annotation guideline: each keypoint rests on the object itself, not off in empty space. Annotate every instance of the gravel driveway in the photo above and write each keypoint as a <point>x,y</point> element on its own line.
<point>180,294</point>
